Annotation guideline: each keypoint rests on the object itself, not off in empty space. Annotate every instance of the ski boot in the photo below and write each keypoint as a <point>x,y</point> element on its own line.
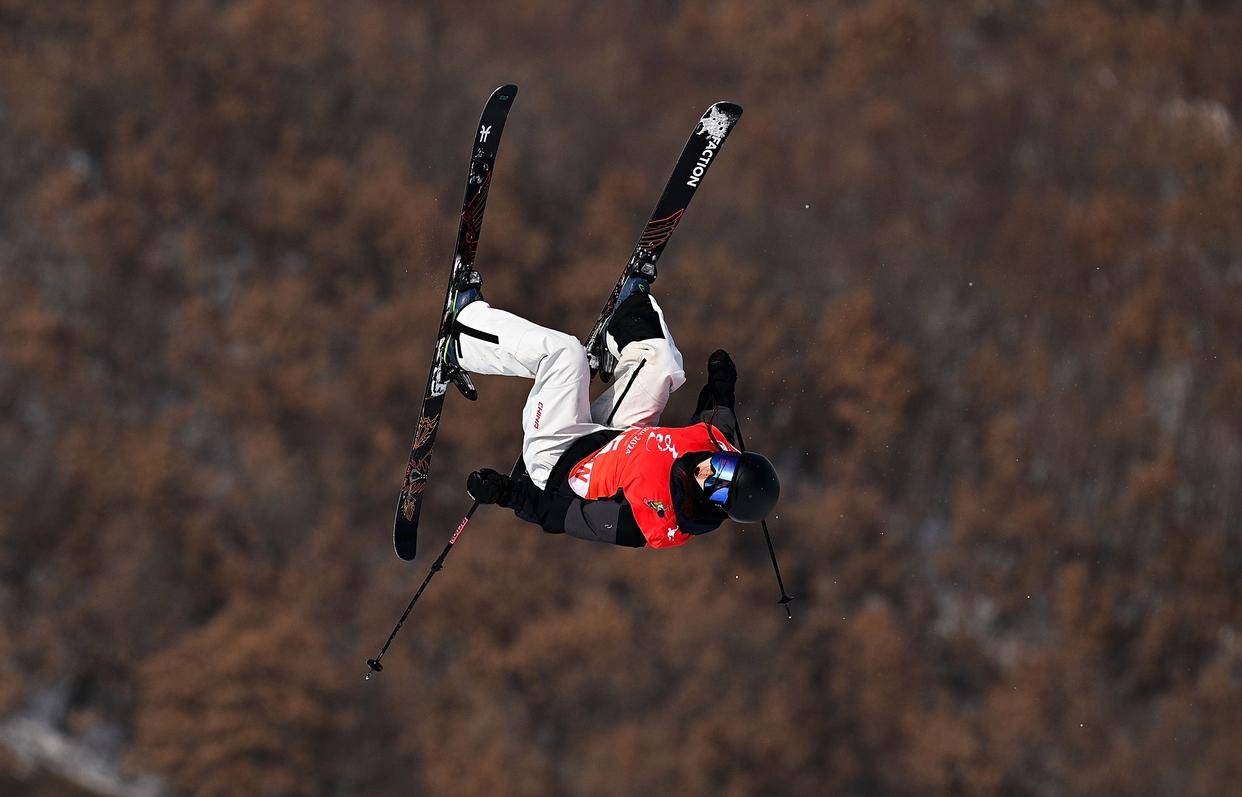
<point>468,288</point>
<point>639,281</point>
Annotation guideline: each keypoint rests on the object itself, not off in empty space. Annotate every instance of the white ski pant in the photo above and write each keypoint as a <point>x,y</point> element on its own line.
<point>558,409</point>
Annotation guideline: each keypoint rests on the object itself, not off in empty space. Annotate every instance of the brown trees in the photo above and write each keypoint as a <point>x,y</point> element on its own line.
<point>978,265</point>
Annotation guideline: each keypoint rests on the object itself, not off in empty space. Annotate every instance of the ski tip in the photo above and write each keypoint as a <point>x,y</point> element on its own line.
<point>405,537</point>
<point>505,93</point>
<point>718,120</point>
<point>731,108</point>
<point>406,553</point>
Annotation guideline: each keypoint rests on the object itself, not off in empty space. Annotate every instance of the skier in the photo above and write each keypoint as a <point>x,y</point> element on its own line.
<point>604,471</point>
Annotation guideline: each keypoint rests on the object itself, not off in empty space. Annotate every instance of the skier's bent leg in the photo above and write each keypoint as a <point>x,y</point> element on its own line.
<point>557,410</point>
<point>648,369</point>
<point>500,343</point>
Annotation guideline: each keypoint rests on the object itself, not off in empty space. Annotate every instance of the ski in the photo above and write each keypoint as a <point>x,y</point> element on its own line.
<point>443,373</point>
<point>696,158</point>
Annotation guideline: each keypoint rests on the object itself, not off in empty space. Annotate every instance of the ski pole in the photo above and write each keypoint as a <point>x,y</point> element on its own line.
<point>374,665</point>
<point>785,599</point>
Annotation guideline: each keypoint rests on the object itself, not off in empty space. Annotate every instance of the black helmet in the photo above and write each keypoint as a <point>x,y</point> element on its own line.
<point>743,485</point>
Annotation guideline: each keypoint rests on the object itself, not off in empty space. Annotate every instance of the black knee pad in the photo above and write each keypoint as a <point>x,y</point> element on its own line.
<point>634,319</point>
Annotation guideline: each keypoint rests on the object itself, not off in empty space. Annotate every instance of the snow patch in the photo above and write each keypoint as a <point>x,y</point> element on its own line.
<point>36,743</point>
<point>1208,116</point>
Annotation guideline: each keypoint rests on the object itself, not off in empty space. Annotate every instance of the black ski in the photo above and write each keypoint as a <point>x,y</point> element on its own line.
<point>696,158</point>
<point>443,373</point>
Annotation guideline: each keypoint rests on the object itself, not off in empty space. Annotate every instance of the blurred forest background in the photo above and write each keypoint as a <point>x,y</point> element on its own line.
<point>980,265</point>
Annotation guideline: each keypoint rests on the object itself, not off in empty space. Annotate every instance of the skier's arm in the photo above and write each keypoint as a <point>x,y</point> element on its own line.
<point>716,398</point>
<point>607,520</point>
<point>721,419</point>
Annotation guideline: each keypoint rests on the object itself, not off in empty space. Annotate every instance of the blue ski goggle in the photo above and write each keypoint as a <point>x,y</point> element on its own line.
<point>719,483</point>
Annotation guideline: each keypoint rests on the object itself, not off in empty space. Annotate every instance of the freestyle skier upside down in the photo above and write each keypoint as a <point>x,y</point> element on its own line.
<point>630,486</point>
<point>601,471</point>
<point>605,471</point>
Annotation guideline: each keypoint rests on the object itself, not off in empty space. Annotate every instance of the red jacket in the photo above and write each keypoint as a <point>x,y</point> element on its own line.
<point>638,464</point>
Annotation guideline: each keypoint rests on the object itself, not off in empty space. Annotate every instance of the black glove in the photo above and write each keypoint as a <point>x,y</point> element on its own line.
<point>489,487</point>
<point>721,378</point>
